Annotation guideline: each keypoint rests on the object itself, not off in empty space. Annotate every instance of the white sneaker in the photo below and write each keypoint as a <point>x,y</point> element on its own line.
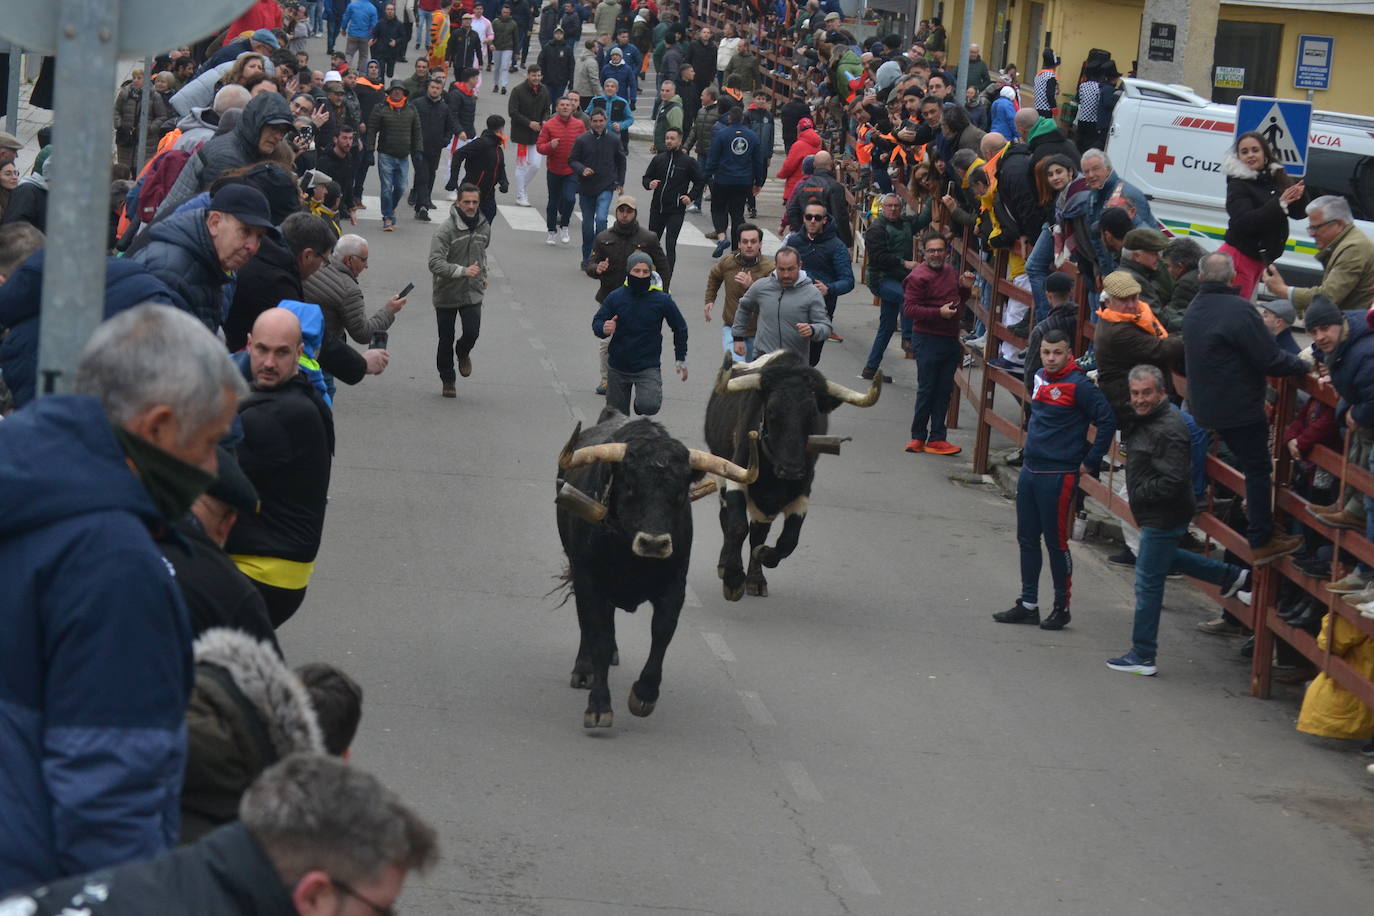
<point>550,239</point>
<point>1367,610</point>
<point>522,201</point>
<point>563,236</point>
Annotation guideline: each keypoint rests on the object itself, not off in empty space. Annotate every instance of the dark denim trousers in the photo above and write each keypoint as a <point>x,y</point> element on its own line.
<point>471,319</point>
<point>937,359</point>
<point>562,197</point>
<point>890,316</point>
<point>1157,557</point>
<point>1250,446</point>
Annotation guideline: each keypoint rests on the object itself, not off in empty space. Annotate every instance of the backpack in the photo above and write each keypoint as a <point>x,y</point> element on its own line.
<point>158,182</point>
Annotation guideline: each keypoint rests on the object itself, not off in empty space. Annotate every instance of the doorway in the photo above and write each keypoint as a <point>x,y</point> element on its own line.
<point>1035,38</point>
<point>1245,60</point>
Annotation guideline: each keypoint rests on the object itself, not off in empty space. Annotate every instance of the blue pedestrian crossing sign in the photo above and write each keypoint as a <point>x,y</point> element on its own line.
<point>1284,123</point>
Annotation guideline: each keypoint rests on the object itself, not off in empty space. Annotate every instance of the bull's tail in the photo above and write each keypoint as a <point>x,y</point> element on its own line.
<point>565,585</point>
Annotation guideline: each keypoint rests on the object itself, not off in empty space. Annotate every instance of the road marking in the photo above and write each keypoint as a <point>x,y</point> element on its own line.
<point>536,343</point>
<point>523,219</point>
<point>716,643</point>
<point>692,599</point>
<point>853,870</point>
<point>801,782</point>
<point>754,706</point>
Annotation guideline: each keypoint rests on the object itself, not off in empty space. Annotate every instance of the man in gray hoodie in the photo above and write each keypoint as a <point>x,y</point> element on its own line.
<point>789,308</point>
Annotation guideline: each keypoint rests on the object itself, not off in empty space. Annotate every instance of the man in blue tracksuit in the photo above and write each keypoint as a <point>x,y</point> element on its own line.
<point>1063,404</point>
<point>826,261</point>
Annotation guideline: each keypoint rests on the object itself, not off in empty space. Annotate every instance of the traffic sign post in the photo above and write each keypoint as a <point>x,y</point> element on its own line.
<point>88,38</point>
<point>1284,123</point>
<point>1313,70</point>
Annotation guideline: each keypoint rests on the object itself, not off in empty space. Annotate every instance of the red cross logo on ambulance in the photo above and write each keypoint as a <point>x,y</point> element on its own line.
<point>1160,158</point>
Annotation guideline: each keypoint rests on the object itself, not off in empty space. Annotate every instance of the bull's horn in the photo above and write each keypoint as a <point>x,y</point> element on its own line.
<point>714,464</point>
<point>573,500</point>
<point>743,383</point>
<point>757,363</point>
<point>850,396</point>
<point>825,445</point>
<point>589,454</point>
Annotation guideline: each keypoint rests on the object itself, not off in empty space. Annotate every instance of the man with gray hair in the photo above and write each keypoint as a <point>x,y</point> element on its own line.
<point>1109,190</point>
<point>315,835</point>
<point>335,289</point>
<point>1230,354</point>
<point>97,647</point>
<point>1160,488</point>
<point>201,123</point>
<point>1346,254</point>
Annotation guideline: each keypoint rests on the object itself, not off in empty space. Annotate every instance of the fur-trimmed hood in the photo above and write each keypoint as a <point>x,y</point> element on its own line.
<point>1232,167</point>
<point>265,681</point>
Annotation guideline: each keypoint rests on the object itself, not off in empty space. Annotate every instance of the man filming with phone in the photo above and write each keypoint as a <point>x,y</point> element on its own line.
<point>335,289</point>
<point>933,295</point>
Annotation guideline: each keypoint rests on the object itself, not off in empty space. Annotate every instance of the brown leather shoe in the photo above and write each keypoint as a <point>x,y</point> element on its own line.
<point>464,366</point>
<point>1326,510</point>
<point>1279,545</point>
<point>1343,519</point>
<point>450,390</point>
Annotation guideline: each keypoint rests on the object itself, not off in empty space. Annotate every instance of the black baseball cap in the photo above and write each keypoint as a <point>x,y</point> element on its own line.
<point>246,204</point>
<point>232,487</point>
<point>1059,282</point>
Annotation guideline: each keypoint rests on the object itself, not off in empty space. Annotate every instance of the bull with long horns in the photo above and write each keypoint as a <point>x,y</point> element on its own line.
<point>785,405</point>
<point>625,489</point>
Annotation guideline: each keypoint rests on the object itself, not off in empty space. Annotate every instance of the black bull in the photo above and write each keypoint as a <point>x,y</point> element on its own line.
<point>787,404</point>
<point>624,516</point>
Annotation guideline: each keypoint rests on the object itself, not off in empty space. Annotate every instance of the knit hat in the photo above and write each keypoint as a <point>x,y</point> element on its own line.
<point>638,257</point>
<point>1007,92</point>
<point>1059,283</point>
<point>1321,313</point>
<point>1142,239</point>
<point>805,124</point>
<point>265,37</point>
<point>1119,284</point>
<point>1281,308</point>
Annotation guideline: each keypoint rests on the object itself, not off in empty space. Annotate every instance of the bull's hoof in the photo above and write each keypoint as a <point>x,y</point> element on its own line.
<point>720,572</point>
<point>756,586</point>
<point>732,592</point>
<point>765,556</point>
<point>596,719</point>
<point>581,680</point>
<point>640,707</point>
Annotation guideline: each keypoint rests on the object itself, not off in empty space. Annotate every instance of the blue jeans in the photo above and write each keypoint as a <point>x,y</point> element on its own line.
<point>1157,557</point>
<point>1038,267</point>
<point>562,196</point>
<point>315,7</point>
<point>727,337</point>
<point>596,208</point>
<point>1250,446</point>
<point>393,172</point>
<point>1044,509</point>
<point>937,359</point>
<point>890,316</point>
<point>332,34</point>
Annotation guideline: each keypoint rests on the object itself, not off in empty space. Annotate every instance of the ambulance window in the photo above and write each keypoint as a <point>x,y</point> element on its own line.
<point>1347,174</point>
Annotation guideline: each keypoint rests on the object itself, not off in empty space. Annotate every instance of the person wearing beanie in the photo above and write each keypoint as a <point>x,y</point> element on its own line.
<point>1343,344</point>
<point>632,318</point>
<point>1230,356</point>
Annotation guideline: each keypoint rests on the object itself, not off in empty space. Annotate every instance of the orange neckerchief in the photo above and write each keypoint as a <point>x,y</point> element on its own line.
<point>1145,319</point>
<point>368,83</point>
<point>395,106</point>
<point>736,94</point>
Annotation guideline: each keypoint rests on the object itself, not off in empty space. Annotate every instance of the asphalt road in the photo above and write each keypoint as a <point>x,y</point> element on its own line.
<point>864,740</point>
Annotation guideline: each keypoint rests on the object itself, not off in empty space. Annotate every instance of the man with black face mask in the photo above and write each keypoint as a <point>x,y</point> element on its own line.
<point>632,316</point>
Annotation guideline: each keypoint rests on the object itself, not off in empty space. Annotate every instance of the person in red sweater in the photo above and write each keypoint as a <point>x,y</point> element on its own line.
<point>555,143</point>
<point>265,14</point>
<point>933,294</point>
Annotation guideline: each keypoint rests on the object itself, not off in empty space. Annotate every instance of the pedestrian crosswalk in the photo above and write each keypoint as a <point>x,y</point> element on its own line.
<point>531,219</point>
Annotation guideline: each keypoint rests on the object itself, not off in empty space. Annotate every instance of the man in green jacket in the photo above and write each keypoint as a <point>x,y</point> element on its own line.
<point>503,42</point>
<point>669,114</point>
<point>458,263</point>
<point>393,132</point>
<point>1346,254</point>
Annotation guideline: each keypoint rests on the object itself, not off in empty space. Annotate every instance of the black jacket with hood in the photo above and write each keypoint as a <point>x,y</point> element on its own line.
<point>247,711</point>
<point>182,255</point>
<point>1258,221</point>
<point>1159,480</point>
<point>227,151</point>
<point>485,162</point>
<point>677,174</point>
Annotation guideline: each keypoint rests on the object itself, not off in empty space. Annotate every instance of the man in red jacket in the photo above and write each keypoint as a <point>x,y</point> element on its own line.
<point>555,143</point>
<point>933,296</point>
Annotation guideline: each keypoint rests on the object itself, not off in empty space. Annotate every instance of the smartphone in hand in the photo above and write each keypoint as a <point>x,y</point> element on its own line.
<point>405,292</point>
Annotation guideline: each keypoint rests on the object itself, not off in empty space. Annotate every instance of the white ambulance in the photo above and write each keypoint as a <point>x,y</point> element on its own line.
<point>1169,142</point>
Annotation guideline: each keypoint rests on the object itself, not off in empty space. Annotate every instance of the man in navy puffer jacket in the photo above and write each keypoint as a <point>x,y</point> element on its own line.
<point>1063,405</point>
